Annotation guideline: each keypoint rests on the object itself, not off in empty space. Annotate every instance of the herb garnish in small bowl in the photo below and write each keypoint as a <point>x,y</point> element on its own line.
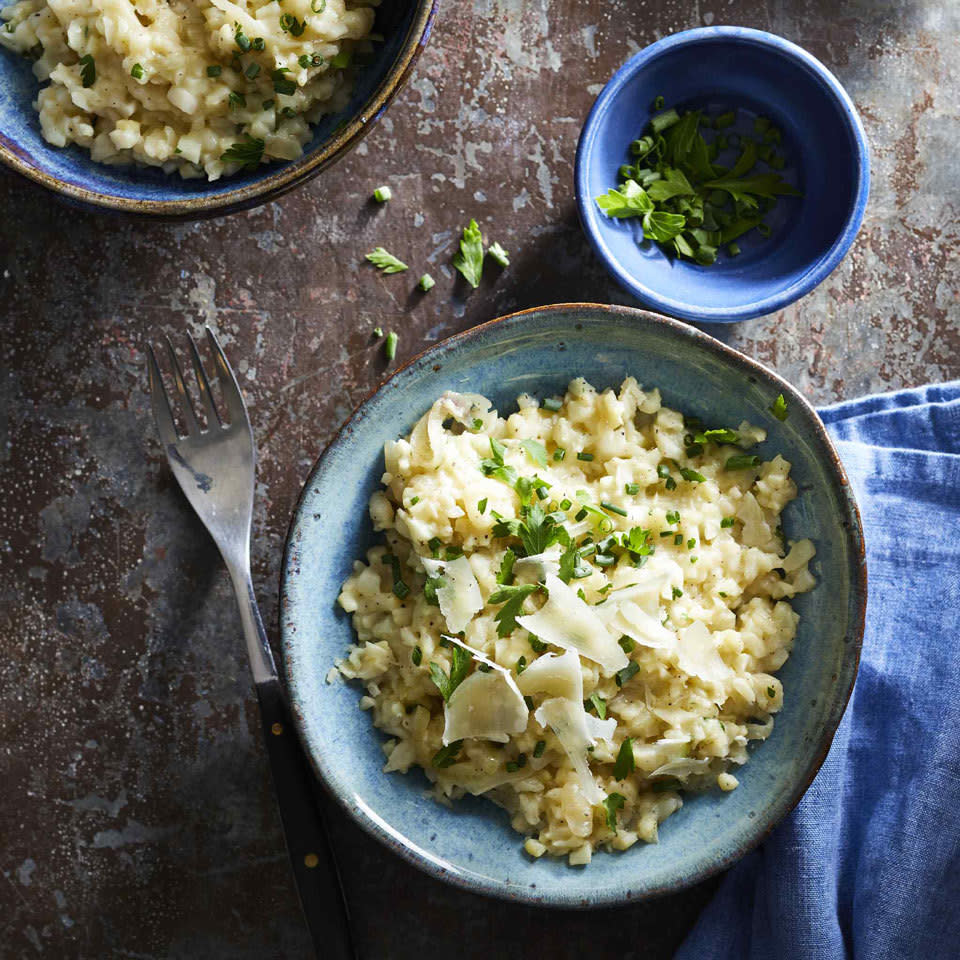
<point>692,196</point>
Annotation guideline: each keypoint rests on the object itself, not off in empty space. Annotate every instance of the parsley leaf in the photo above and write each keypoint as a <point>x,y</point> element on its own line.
<point>512,598</point>
<point>385,261</point>
<point>599,705</point>
<point>612,804</point>
<point>469,259</point>
<point>672,184</point>
<point>505,574</point>
<point>495,467</point>
<point>632,200</point>
<point>88,71</point>
<point>747,189</point>
<point>498,254</point>
<point>446,756</point>
<point>661,226</point>
<point>625,760</point>
<point>779,407</point>
<point>247,152</point>
<point>536,451</point>
<point>459,667</point>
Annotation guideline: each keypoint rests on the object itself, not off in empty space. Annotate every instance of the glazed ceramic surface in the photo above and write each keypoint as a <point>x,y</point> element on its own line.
<point>146,191</point>
<point>539,351</point>
<point>720,69</point>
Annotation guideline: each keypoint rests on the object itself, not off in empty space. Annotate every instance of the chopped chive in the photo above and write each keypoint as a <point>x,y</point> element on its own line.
<point>541,745</point>
<point>678,539</point>
<point>659,103</point>
<point>552,404</point>
<point>585,456</point>
<point>725,120</point>
<point>565,504</point>
<point>627,644</point>
<point>241,40</point>
<point>414,501</point>
<point>631,488</point>
<point>252,70</point>
<point>542,493</point>
<point>382,194</point>
<point>417,656</point>
<point>136,71</point>
<point>726,522</point>
<point>691,543</point>
<point>662,121</point>
<point>259,43</point>
<point>742,462</point>
<point>559,454</point>
<point>603,560</point>
<point>426,283</point>
<point>613,509</point>
<point>691,476</point>
<point>214,70</point>
<point>528,700</point>
<point>673,516</point>
<point>512,766</point>
<point>390,345</point>
<point>622,676</point>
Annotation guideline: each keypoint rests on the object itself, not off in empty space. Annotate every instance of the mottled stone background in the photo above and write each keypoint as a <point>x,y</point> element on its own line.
<point>136,816</point>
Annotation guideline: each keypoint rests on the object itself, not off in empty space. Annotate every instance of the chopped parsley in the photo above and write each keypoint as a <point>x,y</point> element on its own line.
<point>136,71</point>
<point>536,644</point>
<point>282,84</point>
<point>459,667</point>
<point>236,100</point>
<point>446,756</point>
<point>385,261</point>
<point>512,597</point>
<point>496,468</point>
<point>505,573</point>
<point>677,593</point>
<point>631,488</point>
<point>521,665</point>
<point>691,476</point>
<point>613,803</point>
<point>469,259</point>
<point>247,152</point>
<point>498,254</point>
<point>536,451</point>
<point>417,656</point>
<point>88,71</point>
<point>482,506</point>
<point>779,407</point>
<point>400,589</point>
<point>771,693</point>
<point>599,705</point>
<point>625,762</point>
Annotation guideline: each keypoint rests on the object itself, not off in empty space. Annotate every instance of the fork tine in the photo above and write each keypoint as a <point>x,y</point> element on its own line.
<point>193,425</point>
<point>162,414</point>
<point>206,396</point>
<point>228,384</point>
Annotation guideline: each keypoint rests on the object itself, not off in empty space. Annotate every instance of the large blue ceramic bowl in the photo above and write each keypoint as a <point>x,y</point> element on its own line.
<point>824,146</point>
<point>145,191</point>
<point>539,351</point>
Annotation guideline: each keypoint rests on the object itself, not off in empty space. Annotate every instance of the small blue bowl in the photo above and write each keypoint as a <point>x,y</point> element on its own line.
<point>824,146</point>
<point>472,844</point>
<point>148,192</point>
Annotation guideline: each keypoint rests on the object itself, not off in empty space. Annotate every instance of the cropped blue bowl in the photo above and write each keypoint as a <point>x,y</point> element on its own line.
<point>147,191</point>
<point>472,844</point>
<point>824,146</point>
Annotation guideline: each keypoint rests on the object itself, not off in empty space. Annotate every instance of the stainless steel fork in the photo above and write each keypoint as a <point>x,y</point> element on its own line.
<point>216,467</point>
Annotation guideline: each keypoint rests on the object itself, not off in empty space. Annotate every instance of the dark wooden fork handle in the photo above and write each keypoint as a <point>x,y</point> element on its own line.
<point>318,881</point>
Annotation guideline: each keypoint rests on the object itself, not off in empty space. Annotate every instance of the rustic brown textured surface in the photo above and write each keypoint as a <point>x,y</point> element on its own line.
<point>136,814</point>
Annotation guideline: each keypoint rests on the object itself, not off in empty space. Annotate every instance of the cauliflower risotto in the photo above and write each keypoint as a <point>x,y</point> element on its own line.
<point>579,610</point>
<point>202,87</point>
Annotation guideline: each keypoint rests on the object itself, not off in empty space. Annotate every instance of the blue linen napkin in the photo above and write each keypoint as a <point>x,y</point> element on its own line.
<point>868,865</point>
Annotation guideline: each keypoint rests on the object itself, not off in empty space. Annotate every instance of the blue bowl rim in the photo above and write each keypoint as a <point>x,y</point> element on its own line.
<point>765,823</point>
<point>274,184</point>
<point>819,271</point>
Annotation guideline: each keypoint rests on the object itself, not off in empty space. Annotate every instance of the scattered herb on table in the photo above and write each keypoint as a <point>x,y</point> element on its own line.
<point>469,259</point>
<point>499,254</point>
<point>382,194</point>
<point>426,283</point>
<point>779,407</point>
<point>386,261</point>
<point>688,203</point>
<point>390,345</point>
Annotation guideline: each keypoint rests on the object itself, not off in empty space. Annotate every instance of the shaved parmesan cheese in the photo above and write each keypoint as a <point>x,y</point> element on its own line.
<point>566,621</point>
<point>697,654</point>
<point>555,675</point>
<point>539,565</point>
<point>640,626</point>
<point>568,721</point>
<point>484,707</point>
<point>460,596</point>
<point>682,768</point>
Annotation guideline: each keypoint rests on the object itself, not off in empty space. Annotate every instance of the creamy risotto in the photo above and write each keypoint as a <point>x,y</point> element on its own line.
<point>579,610</point>
<point>203,87</point>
